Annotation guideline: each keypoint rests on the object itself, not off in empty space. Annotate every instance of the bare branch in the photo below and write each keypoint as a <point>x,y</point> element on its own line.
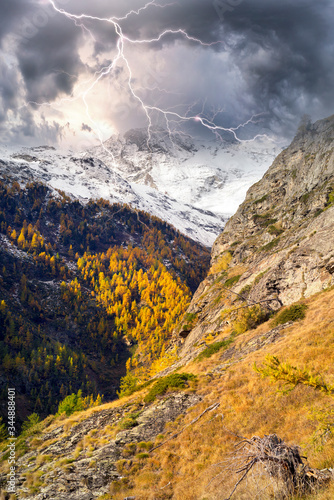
<point>283,463</point>
<point>210,408</point>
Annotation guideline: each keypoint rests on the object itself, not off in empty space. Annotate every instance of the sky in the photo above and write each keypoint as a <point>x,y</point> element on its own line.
<point>196,66</point>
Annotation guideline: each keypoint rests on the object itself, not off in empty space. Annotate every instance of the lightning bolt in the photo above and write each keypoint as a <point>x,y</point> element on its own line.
<point>170,116</point>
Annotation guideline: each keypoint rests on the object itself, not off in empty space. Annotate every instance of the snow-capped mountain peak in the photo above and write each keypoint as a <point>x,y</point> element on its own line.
<point>192,184</point>
<point>209,175</point>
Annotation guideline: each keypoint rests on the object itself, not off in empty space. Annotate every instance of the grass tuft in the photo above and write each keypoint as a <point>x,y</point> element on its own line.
<point>215,347</point>
<point>130,421</point>
<point>232,281</point>
<point>173,381</point>
<point>292,313</point>
<point>269,246</point>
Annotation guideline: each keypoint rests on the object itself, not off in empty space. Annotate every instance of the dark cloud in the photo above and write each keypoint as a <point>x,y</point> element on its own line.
<point>11,10</point>
<point>9,85</point>
<point>284,52</point>
<point>49,61</point>
<point>198,17</point>
<point>275,57</point>
<point>45,48</point>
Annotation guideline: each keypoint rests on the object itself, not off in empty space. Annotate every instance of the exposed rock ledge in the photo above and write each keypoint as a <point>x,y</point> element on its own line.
<point>89,478</point>
<point>280,242</point>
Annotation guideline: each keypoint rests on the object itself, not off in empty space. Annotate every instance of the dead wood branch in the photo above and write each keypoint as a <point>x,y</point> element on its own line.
<point>282,463</point>
<point>210,408</point>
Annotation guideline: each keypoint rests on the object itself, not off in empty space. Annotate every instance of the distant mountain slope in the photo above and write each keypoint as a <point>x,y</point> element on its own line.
<point>193,185</point>
<point>79,285</point>
<point>85,177</point>
<point>208,175</point>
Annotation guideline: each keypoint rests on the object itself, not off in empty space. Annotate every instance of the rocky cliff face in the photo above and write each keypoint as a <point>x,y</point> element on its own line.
<point>279,246</point>
<point>104,444</point>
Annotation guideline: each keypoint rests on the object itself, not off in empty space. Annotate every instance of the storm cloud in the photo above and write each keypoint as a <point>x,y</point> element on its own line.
<point>261,57</point>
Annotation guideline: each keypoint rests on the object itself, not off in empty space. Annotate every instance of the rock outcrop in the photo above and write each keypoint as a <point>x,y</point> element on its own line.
<point>80,460</point>
<point>279,246</point>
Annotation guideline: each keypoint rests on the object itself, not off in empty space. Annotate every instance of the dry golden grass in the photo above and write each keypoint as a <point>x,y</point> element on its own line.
<point>33,481</point>
<point>249,405</point>
<point>324,494</point>
<point>221,264</point>
<point>186,467</point>
<point>42,459</point>
<point>237,270</point>
<point>49,442</point>
<point>11,497</point>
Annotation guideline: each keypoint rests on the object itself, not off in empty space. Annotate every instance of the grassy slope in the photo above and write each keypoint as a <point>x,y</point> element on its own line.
<point>249,405</point>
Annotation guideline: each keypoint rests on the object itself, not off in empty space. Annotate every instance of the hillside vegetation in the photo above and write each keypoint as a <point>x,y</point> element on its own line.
<point>83,288</point>
<point>182,444</point>
<point>277,249</point>
<point>201,462</point>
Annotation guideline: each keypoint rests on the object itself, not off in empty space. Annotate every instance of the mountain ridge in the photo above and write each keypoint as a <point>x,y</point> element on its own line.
<point>210,174</point>
<point>278,247</point>
<point>167,182</point>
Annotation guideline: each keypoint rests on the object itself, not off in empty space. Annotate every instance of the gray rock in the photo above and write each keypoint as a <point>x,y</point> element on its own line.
<point>89,478</point>
<point>282,235</point>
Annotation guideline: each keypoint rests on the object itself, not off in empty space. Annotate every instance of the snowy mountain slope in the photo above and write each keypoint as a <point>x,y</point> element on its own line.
<point>209,175</point>
<point>193,185</point>
<point>89,178</point>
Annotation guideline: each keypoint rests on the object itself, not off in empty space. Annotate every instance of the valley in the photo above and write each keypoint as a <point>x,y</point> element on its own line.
<point>210,354</point>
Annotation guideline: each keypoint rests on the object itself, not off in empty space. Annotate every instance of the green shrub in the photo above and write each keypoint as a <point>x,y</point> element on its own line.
<point>275,230</point>
<point>272,244</point>
<point>190,316</point>
<point>260,200</point>
<point>32,421</point>
<point>330,199</point>
<point>142,455</point>
<point>173,381</point>
<point>129,385</point>
<point>232,281</point>
<point>292,313</point>
<point>71,404</point>
<point>217,300</point>
<point>75,402</point>
<point>189,319</point>
<point>260,276</point>
<point>305,197</point>
<point>129,449</point>
<point>263,220</point>
<point>130,421</point>
<point>145,445</point>
<point>221,277</point>
<point>245,290</point>
<point>215,347</point>
<point>249,318</point>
